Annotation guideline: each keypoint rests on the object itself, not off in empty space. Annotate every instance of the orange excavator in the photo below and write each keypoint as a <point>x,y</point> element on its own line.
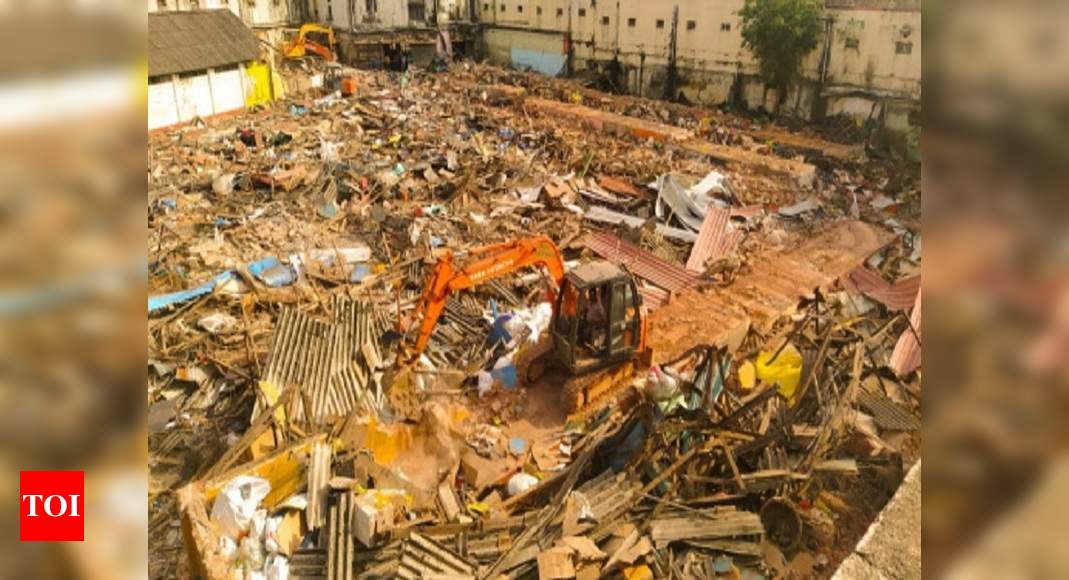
<point>598,329</point>
<point>301,44</point>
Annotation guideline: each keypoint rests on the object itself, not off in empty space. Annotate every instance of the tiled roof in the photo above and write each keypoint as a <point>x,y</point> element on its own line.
<point>197,40</point>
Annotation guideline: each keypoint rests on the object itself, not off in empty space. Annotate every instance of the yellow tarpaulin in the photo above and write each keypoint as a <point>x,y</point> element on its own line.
<point>264,84</point>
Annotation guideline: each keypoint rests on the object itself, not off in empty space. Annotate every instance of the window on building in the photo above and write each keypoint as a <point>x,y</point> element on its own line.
<point>604,19</point>
<point>853,43</point>
<point>519,8</point>
<point>372,7</point>
<point>330,12</point>
<point>560,12</point>
<point>538,10</point>
<point>660,23</point>
<point>161,4</point>
<point>486,7</point>
<point>417,11</point>
<point>691,25</point>
<point>502,8</point>
<point>582,12</point>
<point>194,4</point>
<point>630,22</point>
<point>903,48</point>
<point>725,26</point>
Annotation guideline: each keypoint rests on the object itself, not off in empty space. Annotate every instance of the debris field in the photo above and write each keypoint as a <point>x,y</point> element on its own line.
<point>755,401</point>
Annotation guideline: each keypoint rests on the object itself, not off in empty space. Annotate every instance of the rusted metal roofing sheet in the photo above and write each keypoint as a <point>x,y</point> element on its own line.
<point>716,239</point>
<point>897,296</point>
<point>770,289</point>
<point>907,354</point>
<point>653,297</point>
<point>641,263</point>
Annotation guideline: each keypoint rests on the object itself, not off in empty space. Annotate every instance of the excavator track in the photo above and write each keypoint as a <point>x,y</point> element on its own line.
<point>584,395</point>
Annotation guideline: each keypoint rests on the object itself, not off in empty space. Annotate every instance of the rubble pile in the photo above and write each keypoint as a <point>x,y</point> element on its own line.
<point>295,431</point>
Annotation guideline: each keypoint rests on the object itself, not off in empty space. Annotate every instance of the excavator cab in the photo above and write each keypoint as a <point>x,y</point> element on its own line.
<point>598,319</point>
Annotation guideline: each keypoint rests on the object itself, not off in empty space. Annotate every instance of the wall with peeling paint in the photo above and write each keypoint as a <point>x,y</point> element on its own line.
<point>872,48</point>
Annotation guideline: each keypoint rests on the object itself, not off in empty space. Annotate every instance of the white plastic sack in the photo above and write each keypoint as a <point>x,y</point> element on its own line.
<point>217,323</point>
<point>534,321</point>
<point>271,534</point>
<point>237,503</point>
<point>486,383</point>
<point>521,482</point>
<point>251,553</point>
<point>258,524</point>
<point>659,385</point>
<point>328,151</point>
<point>277,568</point>
<point>228,548</point>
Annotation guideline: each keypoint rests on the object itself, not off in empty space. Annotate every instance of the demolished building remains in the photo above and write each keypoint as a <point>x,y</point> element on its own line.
<point>751,306</point>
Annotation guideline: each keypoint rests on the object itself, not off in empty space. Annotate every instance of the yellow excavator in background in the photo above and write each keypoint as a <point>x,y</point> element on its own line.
<point>301,45</point>
<point>598,329</point>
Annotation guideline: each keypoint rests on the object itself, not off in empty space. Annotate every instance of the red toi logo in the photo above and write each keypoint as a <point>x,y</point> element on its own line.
<point>51,506</point>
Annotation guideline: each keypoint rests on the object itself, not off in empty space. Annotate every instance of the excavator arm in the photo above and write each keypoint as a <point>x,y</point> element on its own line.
<point>493,261</point>
<point>301,45</point>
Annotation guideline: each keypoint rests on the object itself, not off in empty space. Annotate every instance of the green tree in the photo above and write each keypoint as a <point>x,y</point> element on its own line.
<point>780,33</point>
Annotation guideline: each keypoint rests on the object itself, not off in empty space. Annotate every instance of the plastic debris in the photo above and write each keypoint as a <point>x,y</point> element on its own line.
<point>237,503</point>
<point>520,483</point>
<point>783,370</point>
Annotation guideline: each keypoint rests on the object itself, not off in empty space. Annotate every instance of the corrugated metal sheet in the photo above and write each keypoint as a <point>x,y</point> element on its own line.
<point>340,547</point>
<point>907,354</point>
<point>887,413</point>
<point>318,485</point>
<point>197,40</point>
<point>641,263</point>
<point>716,239</point>
<point>653,297</point>
<point>422,557</point>
<point>333,362</point>
<point>770,289</point>
<point>308,564</point>
<point>597,213</point>
<point>897,296</point>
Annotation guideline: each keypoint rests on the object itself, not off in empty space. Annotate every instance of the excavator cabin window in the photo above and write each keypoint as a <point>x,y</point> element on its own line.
<point>593,326</point>
<point>623,318</point>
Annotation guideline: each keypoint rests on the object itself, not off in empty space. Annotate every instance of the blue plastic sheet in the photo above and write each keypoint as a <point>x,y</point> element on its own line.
<point>164,300</point>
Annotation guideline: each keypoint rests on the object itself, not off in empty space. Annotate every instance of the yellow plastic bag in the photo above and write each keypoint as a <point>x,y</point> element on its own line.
<point>785,371</point>
<point>747,375</point>
<point>640,572</point>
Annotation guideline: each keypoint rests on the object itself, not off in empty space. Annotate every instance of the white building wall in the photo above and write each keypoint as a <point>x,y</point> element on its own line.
<point>162,107</point>
<point>263,13</point>
<point>227,93</point>
<point>180,99</point>
<point>194,96</point>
